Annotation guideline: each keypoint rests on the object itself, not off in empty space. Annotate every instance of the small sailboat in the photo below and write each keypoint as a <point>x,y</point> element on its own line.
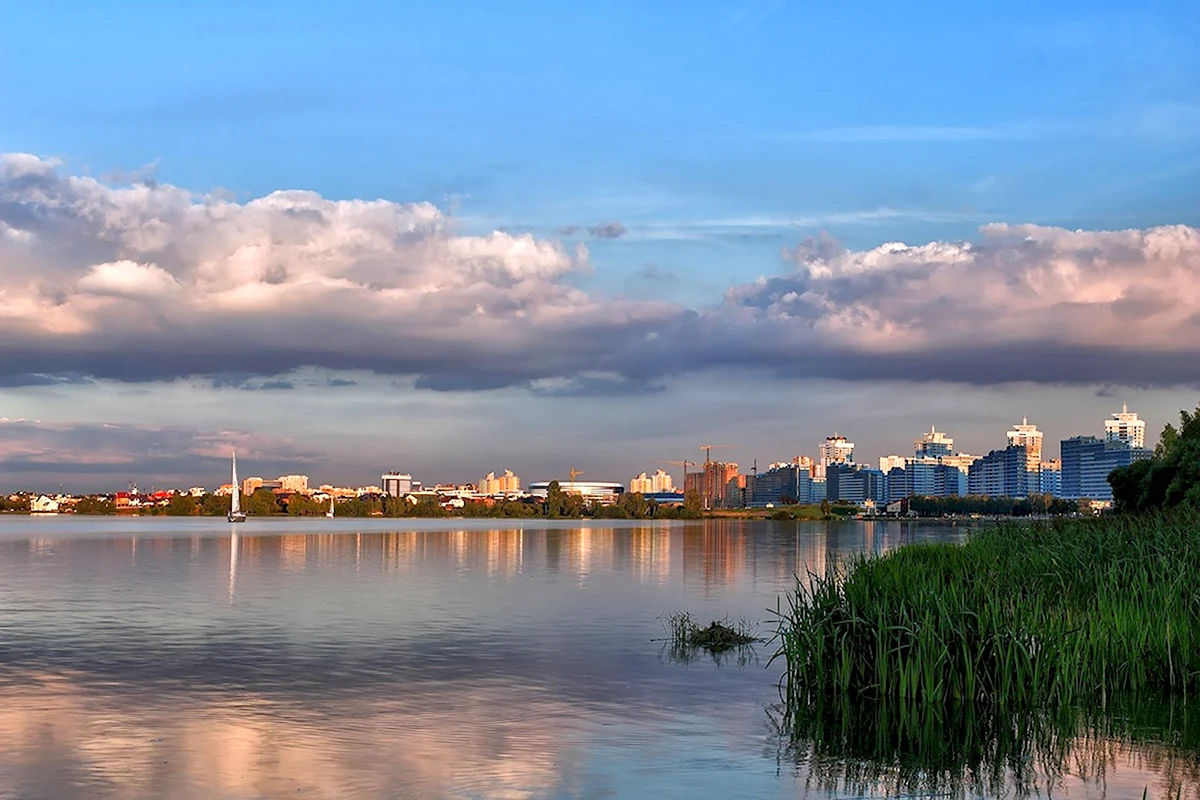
<point>235,507</point>
<point>329,513</point>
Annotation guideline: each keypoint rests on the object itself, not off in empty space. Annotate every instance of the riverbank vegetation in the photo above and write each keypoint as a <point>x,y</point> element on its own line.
<point>1170,479</point>
<point>1058,612</point>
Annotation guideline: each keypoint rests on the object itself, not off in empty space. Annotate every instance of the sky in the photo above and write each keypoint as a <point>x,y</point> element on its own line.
<point>455,238</point>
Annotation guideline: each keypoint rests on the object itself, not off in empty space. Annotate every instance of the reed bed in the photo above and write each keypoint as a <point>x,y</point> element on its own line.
<point>1065,612</point>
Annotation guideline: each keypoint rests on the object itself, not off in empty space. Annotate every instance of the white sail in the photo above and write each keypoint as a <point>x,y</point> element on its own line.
<point>236,506</point>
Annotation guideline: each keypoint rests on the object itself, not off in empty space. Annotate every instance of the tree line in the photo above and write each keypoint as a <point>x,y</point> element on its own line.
<point>1040,504</point>
<point>1170,479</point>
<point>263,503</point>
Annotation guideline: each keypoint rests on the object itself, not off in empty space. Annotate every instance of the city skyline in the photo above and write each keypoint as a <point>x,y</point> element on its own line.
<point>416,244</point>
<point>835,448</point>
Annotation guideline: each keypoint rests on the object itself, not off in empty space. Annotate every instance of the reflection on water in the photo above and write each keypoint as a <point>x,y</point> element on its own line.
<point>908,749</point>
<point>333,659</point>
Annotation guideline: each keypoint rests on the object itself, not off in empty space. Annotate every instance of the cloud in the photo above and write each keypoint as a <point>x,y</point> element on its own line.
<point>37,448</point>
<point>610,230</point>
<point>151,282</point>
<point>596,385</point>
<point>1022,303</point>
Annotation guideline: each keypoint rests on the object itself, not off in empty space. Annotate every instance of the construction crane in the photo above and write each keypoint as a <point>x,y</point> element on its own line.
<point>685,464</point>
<point>708,448</point>
<point>574,472</point>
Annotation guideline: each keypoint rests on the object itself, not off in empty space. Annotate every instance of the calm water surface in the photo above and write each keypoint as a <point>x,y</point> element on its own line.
<point>151,658</point>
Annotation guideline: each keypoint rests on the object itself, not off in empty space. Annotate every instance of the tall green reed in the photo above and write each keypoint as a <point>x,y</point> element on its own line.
<point>1062,612</point>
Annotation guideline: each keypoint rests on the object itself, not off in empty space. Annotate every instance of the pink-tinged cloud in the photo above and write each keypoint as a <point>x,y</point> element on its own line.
<point>149,282</point>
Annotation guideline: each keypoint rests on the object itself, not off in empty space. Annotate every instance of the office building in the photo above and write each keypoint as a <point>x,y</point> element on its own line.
<point>834,450</point>
<point>657,483</point>
<point>398,484</point>
<point>1087,463</point>
<point>1126,427</point>
<point>1001,473</point>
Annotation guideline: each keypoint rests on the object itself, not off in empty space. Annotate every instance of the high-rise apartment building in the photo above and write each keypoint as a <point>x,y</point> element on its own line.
<point>716,476</point>
<point>784,482</point>
<point>506,484</point>
<point>1029,437</point>
<point>1087,462</point>
<point>1001,473</point>
<point>1126,427</point>
<point>933,444</point>
<point>294,484</point>
<point>834,450</point>
<point>1051,477</point>
<point>657,483</point>
<point>889,463</point>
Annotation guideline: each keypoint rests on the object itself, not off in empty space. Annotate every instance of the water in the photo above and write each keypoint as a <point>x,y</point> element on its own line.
<point>153,658</point>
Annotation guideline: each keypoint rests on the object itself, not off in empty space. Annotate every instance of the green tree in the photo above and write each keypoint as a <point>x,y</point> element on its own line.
<point>635,505</point>
<point>1169,479</point>
<point>95,505</point>
<point>825,507</point>
<point>212,505</point>
<point>556,500</point>
<point>262,503</point>
<point>181,505</point>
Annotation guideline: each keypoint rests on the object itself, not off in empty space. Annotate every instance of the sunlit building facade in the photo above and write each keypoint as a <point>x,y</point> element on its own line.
<point>834,450</point>
<point>657,483</point>
<point>506,484</point>
<point>1029,437</point>
<point>1126,427</point>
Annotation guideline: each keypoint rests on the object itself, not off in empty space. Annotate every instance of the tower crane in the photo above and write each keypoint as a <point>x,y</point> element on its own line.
<point>684,463</point>
<point>708,448</point>
<point>574,472</point>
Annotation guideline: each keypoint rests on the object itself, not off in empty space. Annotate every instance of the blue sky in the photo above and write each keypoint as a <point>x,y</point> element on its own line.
<point>712,135</point>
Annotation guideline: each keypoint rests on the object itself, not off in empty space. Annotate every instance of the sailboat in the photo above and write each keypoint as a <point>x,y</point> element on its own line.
<point>235,508</point>
<point>329,513</point>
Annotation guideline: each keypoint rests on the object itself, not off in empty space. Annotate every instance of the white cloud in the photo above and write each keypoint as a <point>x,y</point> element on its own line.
<point>291,279</point>
<point>150,282</point>
<point>128,279</point>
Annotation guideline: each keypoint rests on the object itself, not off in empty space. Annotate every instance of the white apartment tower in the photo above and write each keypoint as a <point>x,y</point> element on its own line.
<point>1029,436</point>
<point>834,450</point>
<point>1126,427</point>
<point>657,483</point>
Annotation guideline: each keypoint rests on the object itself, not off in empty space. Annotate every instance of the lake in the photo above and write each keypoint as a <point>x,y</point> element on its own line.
<point>188,658</point>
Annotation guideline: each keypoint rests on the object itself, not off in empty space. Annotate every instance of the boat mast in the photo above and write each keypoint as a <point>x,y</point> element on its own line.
<point>236,506</point>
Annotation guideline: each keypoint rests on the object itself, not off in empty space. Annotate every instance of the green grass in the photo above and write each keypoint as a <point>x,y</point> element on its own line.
<point>1066,612</point>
